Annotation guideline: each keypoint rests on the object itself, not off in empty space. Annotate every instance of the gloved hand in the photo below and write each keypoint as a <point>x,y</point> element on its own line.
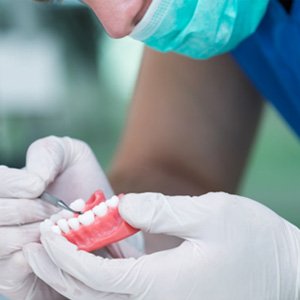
<point>234,248</point>
<point>68,169</point>
<point>19,225</point>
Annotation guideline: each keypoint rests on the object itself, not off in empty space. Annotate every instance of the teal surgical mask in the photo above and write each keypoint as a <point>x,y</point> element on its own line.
<point>199,28</point>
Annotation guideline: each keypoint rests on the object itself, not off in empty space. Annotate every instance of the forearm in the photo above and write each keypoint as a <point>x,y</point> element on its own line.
<point>189,130</point>
<point>190,127</point>
<point>153,178</point>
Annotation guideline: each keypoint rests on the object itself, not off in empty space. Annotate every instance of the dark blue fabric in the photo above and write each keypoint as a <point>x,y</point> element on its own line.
<point>271,59</point>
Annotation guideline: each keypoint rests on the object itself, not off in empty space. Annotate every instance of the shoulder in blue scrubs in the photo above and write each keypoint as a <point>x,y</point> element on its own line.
<point>271,59</point>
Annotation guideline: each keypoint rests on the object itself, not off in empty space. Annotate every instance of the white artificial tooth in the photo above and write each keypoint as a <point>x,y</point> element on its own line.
<point>113,201</point>
<point>44,226</point>
<point>100,210</point>
<point>66,214</point>
<point>55,218</point>
<point>78,205</point>
<point>56,229</point>
<point>74,223</point>
<point>63,225</point>
<point>87,218</point>
<point>48,223</point>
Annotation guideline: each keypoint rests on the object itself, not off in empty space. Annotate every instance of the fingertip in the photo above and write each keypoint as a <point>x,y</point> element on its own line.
<point>36,185</point>
<point>45,157</point>
<point>128,205</point>
<point>31,185</point>
<point>19,183</point>
<point>137,209</point>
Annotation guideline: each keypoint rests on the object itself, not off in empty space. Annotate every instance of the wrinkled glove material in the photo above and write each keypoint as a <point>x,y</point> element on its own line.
<point>64,167</point>
<point>233,248</point>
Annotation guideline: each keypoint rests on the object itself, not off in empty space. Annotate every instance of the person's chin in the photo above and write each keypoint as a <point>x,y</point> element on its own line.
<point>119,20</point>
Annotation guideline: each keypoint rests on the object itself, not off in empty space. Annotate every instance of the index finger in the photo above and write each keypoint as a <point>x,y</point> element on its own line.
<point>18,183</point>
<point>24,211</point>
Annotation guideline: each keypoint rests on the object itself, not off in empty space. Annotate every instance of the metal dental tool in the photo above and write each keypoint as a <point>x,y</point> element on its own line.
<point>57,202</point>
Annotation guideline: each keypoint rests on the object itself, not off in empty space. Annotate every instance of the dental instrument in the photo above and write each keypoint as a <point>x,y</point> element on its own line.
<point>57,202</point>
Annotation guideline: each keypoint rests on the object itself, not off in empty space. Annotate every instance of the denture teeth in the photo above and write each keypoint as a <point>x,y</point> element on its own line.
<point>100,210</point>
<point>63,225</point>
<point>55,218</point>
<point>74,223</point>
<point>65,214</point>
<point>48,222</point>
<point>56,229</point>
<point>87,218</point>
<point>113,201</point>
<point>78,205</point>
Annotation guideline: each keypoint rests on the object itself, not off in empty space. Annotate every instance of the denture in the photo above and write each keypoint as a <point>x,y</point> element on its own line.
<point>99,225</point>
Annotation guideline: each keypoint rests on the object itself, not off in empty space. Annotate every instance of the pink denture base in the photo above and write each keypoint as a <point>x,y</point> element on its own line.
<point>103,231</point>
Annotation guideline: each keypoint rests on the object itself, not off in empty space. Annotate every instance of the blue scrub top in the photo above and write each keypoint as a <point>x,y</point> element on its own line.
<point>271,59</point>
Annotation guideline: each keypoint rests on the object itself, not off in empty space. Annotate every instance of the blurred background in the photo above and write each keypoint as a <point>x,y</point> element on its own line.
<point>61,75</point>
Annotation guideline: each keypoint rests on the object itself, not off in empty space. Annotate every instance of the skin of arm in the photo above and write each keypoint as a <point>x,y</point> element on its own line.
<point>189,131</point>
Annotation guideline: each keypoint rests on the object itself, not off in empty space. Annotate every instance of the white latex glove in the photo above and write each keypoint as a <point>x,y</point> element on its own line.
<point>234,249</point>
<point>19,225</point>
<point>68,169</point>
